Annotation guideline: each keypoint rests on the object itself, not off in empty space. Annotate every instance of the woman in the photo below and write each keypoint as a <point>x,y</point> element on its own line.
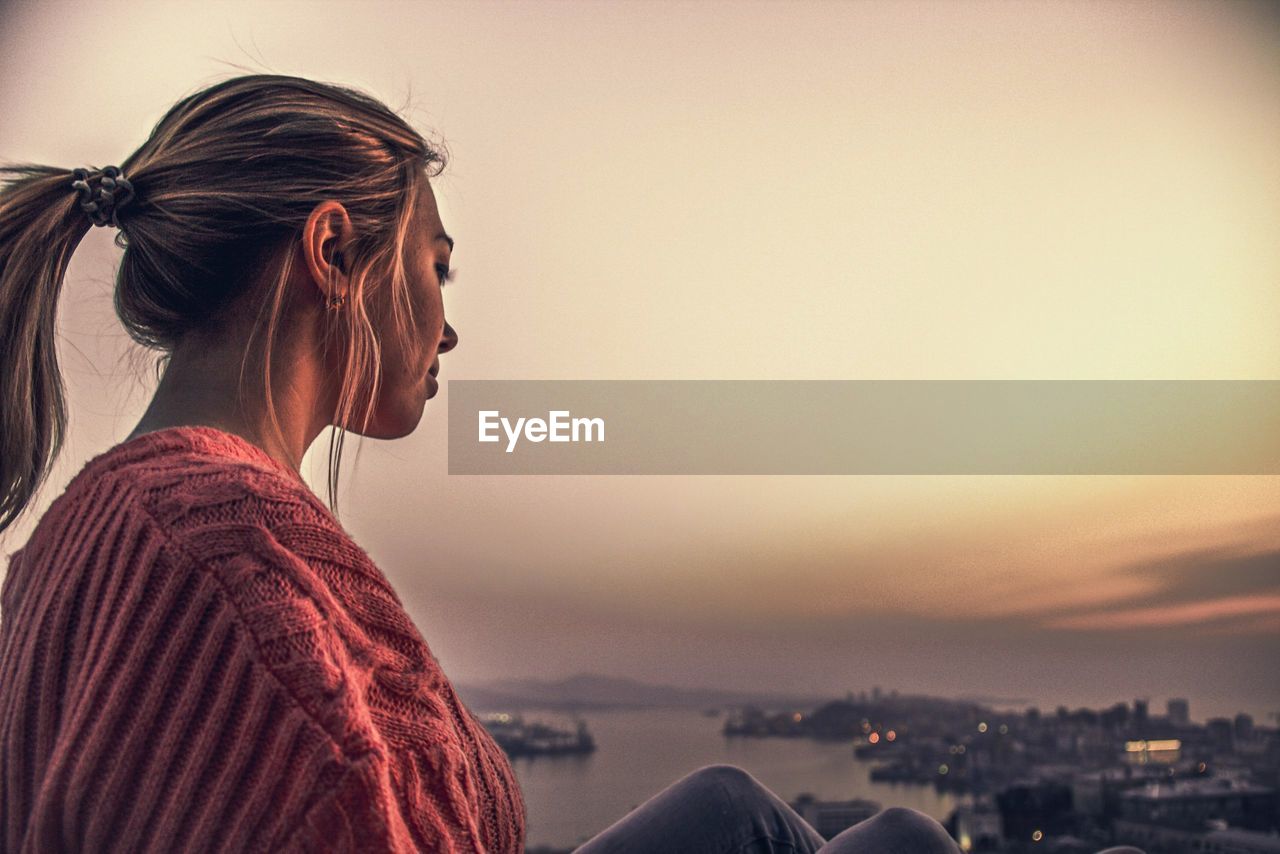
<point>194,655</point>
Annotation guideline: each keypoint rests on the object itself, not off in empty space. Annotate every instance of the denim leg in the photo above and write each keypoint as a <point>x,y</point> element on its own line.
<point>718,809</point>
<point>896,830</point>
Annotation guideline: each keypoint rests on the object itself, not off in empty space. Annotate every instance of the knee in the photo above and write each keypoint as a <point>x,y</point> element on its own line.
<point>724,776</point>
<point>724,784</point>
<point>909,825</point>
<point>901,817</point>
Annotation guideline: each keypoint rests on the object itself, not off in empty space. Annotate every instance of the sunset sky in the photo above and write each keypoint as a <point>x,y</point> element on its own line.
<point>871,190</point>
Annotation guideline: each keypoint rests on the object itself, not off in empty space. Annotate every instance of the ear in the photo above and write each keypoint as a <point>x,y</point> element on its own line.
<point>325,237</point>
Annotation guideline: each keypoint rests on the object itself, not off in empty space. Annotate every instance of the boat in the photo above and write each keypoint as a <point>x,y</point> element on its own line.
<point>518,737</point>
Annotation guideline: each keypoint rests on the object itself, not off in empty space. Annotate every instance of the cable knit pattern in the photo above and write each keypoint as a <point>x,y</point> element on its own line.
<point>195,656</point>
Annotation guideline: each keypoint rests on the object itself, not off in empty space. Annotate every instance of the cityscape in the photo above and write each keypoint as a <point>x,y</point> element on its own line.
<point>1032,780</point>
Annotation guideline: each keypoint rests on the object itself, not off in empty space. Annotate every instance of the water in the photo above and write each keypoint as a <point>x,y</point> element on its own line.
<point>639,753</point>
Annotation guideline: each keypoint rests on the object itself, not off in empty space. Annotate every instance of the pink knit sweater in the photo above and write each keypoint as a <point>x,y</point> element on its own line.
<point>195,656</point>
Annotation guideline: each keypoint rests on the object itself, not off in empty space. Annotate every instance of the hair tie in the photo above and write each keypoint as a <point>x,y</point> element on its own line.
<point>103,202</point>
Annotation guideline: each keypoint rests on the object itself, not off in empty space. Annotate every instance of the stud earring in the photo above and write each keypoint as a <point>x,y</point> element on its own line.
<point>336,301</point>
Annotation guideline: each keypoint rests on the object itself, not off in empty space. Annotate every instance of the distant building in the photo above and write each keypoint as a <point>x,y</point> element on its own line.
<point>1179,712</point>
<point>1191,804</point>
<point>1233,841</point>
<point>1097,793</point>
<point>1032,810</point>
<point>1159,751</point>
<point>1221,733</point>
<point>1116,717</point>
<point>978,827</point>
<point>1244,727</point>
<point>1202,841</point>
<point>1140,716</point>
<point>831,817</point>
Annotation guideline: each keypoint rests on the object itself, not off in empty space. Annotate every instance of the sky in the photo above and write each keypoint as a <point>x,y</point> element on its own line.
<point>872,190</point>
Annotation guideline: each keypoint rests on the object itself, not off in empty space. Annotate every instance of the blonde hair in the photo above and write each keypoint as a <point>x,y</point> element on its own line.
<point>224,183</point>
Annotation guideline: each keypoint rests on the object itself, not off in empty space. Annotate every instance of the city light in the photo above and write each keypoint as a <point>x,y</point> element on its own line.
<point>1154,745</point>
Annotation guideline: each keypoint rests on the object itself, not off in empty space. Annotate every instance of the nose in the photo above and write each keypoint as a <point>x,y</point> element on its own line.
<point>448,340</point>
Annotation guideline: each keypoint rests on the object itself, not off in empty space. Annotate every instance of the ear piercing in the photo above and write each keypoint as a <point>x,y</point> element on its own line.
<point>336,301</point>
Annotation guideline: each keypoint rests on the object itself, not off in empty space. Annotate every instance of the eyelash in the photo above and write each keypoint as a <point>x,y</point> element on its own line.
<point>445,274</point>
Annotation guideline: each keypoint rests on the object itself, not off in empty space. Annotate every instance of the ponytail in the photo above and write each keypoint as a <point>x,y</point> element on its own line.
<point>40,226</point>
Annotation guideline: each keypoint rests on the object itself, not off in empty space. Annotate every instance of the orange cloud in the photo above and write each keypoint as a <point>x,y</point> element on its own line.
<point>1184,614</point>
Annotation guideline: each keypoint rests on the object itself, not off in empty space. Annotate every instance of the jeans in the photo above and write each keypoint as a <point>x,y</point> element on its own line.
<point>722,809</point>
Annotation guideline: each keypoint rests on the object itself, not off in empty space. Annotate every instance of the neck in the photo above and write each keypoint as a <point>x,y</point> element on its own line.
<point>201,386</point>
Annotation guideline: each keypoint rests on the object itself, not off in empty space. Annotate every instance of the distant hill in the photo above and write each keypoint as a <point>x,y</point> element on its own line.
<point>587,691</point>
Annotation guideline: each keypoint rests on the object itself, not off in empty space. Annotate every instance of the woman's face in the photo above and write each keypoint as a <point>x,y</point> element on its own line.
<point>409,368</point>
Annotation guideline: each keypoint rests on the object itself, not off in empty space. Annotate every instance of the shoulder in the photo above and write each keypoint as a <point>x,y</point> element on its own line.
<point>282,563</point>
<point>214,495</point>
<point>193,476</point>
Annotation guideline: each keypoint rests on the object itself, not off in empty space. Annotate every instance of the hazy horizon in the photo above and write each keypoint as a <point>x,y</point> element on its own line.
<point>1017,705</point>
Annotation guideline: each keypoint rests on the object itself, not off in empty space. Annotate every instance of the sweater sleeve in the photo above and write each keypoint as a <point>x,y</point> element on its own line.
<point>367,810</point>
<point>333,631</point>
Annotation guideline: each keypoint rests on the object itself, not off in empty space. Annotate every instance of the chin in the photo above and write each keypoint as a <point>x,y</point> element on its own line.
<point>392,425</point>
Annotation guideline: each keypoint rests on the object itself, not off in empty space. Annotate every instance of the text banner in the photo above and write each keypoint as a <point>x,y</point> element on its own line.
<point>844,427</point>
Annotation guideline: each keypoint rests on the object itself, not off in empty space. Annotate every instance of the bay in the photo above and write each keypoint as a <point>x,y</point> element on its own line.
<point>640,752</point>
